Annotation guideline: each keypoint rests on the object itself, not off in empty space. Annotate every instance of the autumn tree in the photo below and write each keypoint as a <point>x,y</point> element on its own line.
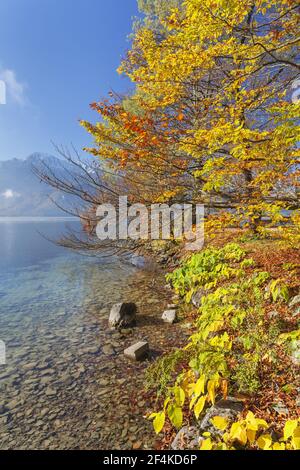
<point>211,119</point>
<point>227,69</point>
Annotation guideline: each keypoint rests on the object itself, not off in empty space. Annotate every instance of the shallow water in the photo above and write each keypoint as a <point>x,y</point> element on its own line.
<point>66,383</point>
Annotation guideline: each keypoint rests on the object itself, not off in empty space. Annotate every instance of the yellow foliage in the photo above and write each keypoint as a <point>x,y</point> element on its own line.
<point>220,422</point>
<point>206,444</point>
<point>199,406</point>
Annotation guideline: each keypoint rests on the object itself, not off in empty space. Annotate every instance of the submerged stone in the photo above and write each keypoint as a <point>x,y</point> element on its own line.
<point>138,351</point>
<point>108,350</point>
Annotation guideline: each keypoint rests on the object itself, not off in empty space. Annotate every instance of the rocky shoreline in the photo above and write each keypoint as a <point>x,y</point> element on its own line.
<point>77,390</point>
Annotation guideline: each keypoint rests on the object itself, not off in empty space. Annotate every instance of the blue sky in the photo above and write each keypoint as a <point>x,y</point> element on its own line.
<point>56,57</point>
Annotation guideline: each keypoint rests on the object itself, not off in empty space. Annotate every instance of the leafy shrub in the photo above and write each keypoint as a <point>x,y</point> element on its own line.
<point>205,269</point>
<point>246,374</point>
<point>160,373</point>
<point>232,337</point>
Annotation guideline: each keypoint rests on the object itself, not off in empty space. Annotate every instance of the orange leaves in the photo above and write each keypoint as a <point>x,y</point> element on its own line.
<point>224,388</point>
<point>94,106</point>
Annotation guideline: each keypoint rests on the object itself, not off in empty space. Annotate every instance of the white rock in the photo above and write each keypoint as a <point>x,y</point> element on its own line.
<point>169,316</point>
<point>137,351</point>
<point>188,438</point>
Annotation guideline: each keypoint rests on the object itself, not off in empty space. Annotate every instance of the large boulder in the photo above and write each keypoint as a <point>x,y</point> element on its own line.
<point>123,315</point>
<point>188,438</point>
<point>229,409</point>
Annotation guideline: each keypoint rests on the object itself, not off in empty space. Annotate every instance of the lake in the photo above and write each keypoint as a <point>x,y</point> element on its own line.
<point>66,383</point>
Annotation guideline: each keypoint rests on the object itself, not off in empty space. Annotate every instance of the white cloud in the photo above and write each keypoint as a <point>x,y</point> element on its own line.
<point>9,193</point>
<point>15,89</point>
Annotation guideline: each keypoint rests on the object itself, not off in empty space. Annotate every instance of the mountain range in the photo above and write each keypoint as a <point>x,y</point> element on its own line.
<point>23,194</point>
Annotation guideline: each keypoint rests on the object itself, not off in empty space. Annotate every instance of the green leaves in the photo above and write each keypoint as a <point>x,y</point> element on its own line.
<point>199,387</point>
<point>198,408</point>
<point>176,416</point>
<point>172,409</point>
<point>279,290</point>
<point>260,278</point>
<point>158,421</point>
<point>205,269</point>
<point>179,396</point>
<point>230,342</point>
